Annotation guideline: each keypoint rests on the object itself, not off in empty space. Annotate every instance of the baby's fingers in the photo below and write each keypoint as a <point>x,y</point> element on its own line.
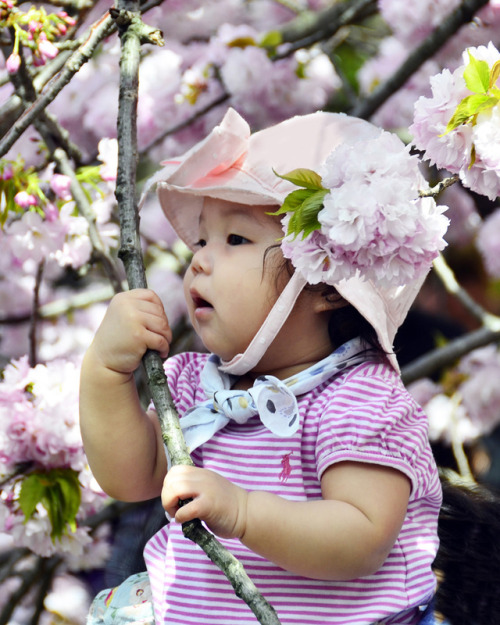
<point>178,487</point>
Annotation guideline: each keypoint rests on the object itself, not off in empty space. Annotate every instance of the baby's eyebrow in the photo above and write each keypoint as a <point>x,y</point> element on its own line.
<point>237,211</point>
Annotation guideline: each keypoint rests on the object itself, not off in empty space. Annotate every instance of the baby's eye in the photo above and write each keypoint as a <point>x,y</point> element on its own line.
<point>200,243</point>
<point>236,239</point>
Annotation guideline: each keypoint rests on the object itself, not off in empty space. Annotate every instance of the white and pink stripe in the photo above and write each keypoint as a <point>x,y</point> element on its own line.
<point>364,415</point>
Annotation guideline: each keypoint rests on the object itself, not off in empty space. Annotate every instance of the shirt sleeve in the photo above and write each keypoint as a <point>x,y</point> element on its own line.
<point>370,417</point>
<point>183,377</point>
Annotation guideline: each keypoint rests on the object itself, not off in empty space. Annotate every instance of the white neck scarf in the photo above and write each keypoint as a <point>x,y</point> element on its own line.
<point>274,400</point>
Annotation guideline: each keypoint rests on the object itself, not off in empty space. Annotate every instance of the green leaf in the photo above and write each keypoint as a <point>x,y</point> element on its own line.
<point>494,74</point>
<point>304,219</point>
<point>271,39</point>
<point>477,75</point>
<point>71,497</point>
<point>31,494</point>
<point>309,212</point>
<point>58,490</point>
<point>306,178</point>
<point>349,59</point>
<point>293,201</point>
<point>51,501</point>
<point>468,108</point>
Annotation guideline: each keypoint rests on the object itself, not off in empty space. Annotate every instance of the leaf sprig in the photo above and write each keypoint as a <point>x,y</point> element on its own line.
<point>303,204</point>
<point>58,491</point>
<point>481,81</point>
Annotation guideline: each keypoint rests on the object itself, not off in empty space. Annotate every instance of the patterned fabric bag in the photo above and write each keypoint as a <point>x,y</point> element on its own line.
<point>130,602</point>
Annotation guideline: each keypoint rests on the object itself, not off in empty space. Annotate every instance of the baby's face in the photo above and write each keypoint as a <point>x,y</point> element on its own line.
<point>228,291</point>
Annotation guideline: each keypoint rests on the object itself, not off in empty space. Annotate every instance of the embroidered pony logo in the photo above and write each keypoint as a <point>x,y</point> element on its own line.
<point>286,469</point>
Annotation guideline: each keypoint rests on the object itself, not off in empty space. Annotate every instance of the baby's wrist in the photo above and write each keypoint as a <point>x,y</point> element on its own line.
<point>96,365</point>
<point>242,516</point>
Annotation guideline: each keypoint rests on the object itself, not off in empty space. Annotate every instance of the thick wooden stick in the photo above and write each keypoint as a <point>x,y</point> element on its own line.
<point>132,32</point>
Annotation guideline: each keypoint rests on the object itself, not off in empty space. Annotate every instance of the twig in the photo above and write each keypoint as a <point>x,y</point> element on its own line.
<point>28,579</point>
<point>290,5</point>
<point>46,124</point>
<point>439,36</point>
<point>130,253</point>
<point>441,186</point>
<point>34,315</point>
<point>187,122</point>
<point>444,356</point>
<point>86,211</point>
<point>48,571</point>
<point>99,31</point>
<point>456,441</point>
<point>54,135</point>
<point>447,277</point>
<point>130,249</point>
<point>310,28</point>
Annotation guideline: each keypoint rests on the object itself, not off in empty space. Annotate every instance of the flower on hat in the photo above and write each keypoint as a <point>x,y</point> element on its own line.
<point>362,215</point>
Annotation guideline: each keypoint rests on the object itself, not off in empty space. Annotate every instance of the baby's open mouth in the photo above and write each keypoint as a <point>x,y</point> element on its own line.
<point>199,302</point>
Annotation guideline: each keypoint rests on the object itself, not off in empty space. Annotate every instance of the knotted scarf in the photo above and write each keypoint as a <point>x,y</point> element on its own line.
<point>274,400</point>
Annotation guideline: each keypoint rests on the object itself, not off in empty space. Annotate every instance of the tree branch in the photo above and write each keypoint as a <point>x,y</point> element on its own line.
<point>451,284</point>
<point>99,31</point>
<point>33,359</point>
<point>187,122</point>
<point>86,211</point>
<point>439,36</point>
<point>130,253</point>
<point>310,28</point>
<point>443,356</point>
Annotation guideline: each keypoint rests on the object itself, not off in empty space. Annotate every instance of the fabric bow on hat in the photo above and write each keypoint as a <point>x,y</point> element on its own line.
<point>274,400</point>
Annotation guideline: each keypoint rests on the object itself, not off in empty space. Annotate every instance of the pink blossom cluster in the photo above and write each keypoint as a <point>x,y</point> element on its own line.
<point>179,79</point>
<point>282,93</point>
<point>39,420</point>
<point>60,238</point>
<point>372,220</point>
<point>398,111</point>
<point>410,23</point>
<point>472,409</point>
<point>413,21</point>
<point>39,426</point>
<point>34,30</point>
<point>55,233</point>
<point>470,150</point>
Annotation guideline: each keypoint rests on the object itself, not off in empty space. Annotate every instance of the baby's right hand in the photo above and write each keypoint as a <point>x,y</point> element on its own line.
<point>134,322</point>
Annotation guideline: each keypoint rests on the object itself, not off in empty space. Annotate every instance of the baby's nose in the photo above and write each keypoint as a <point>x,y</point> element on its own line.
<point>200,263</point>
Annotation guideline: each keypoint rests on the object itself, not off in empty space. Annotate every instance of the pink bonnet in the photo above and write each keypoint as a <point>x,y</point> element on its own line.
<point>234,165</point>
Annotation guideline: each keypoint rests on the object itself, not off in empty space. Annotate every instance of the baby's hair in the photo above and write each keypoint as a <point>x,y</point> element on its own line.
<point>469,554</point>
<point>345,321</point>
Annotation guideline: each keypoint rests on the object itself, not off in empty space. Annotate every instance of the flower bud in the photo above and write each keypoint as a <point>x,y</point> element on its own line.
<point>47,49</point>
<point>13,63</point>
<point>61,184</point>
<point>25,199</point>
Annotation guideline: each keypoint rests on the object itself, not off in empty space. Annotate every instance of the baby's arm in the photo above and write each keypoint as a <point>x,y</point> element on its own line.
<point>122,442</point>
<point>346,535</point>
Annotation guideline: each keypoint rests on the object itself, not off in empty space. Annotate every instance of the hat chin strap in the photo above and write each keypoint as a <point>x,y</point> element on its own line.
<point>242,363</point>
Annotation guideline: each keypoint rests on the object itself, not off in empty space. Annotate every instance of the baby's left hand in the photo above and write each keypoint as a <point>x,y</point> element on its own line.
<point>215,500</point>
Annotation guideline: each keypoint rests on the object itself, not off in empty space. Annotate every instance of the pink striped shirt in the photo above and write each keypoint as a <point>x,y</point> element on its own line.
<point>366,415</point>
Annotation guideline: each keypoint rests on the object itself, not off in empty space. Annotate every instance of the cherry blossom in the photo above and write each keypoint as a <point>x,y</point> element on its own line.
<point>371,220</point>
<point>455,148</point>
<point>39,425</point>
<point>61,184</point>
<point>13,63</point>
